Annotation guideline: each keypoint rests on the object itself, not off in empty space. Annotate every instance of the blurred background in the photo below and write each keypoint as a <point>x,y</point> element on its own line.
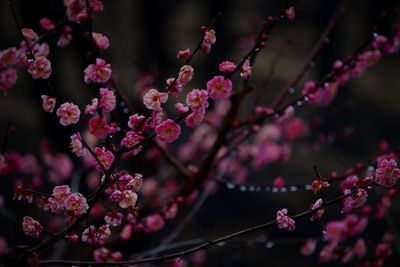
<point>145,37</point>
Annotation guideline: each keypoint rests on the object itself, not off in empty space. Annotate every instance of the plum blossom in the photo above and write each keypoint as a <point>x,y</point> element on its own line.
<point>108,100</point>
<point>103,232</point>
<point>105,157</point>
<point>387,173</point>
<point>92,107</point>
<point>136,122</point>
<point>131,139</point>
<point>175,87</point>
<point>105,255</point>
<point>69,113</point>
<point>317,185</point>
<point>101,40</point>
<point>290,13</point>
<point>129,199</point>
<point>31,227</point>
<point>357,201</point>
<point>46,24</point>
<point>153,99</point>
<point>76,203</point>
<point>153,223</point>
<point>208,40</point>
<point>8,78</point>
<point>40,68</point>
<point>195,118</point>
<point>89,235</point>
<point>227,66</point>
<point>336,231</point>
<point>168,131</point>
<point>113,218</point>
<point>219,87</point>
<point>245,69</point>
<point>318,214</point>
<point>184,54</point>
<point>30,35</point>
<point>61,192</point>
<point>308,247</point>
<point>185,74</point>
<point>77,146</point>
<point>49,102</point>
<point>99,127</point>
<point>283,221</point>
<point>99,72</point>
<point>197,99</point>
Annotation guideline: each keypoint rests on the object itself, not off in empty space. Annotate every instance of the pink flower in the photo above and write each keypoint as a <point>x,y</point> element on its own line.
<point>129,199</point>
<point>8,57</point>
<point>318,214</point>
<point>136,122</point>
<point>185,55</point>
<point>308,247</point>
<point>131,139</point>
<point>65,39</point>
<point>104,232</point>
<point>357,201</point>
<point>171,212</point>
<point>153,223</point>
<point>99,127</point>
<point>69,113</point>
<point>317,185</point>
<point>49,103</point>
<point>153,99</point>
<point>383,251</point>
<point>208,40</point>
<point>98,72</point>
<point>328,253</point>
<point>195,118</point>
<point>227,66</point>
<point>290,13</point>
<point>131,183</point>
<point>168,131</point>
<point>279,182</point>
<point>77,146</point>
<point>219,87</point>
<point>61,192</point>
<point>96,5</point>
<point>104,255</point>
<point>360,248</point>
<point>197,99</point>
<point>174,89</point>
<point>40,68</point>
<point>185,74</point>
<point>387,173</point>
<point>76,203</point>
<point>182,108</point>
<point>30,35</point>
<point>114,218</point>
<point>8,78</point>
<point>245,69</point>
<point>101,40</point>
<point>92,107</point>
<point>336,231</point>
<point>89,235</point>
<point>46,24</point>
<point>107,100</point>
<point>31,227</point>
<point>105,157</point>
<point>283,221</point>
